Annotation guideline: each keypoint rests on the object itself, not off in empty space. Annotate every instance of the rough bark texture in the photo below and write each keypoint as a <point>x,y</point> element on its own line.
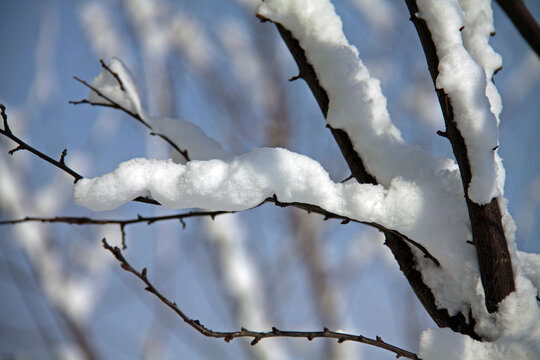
<point>486,220</point>
<point>399,247</point>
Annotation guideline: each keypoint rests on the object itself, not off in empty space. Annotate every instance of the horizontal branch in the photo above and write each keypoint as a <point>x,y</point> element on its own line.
<point>73,220</point>
<point>310,208</point>
<point>255,335</point>
<point>21,145</point>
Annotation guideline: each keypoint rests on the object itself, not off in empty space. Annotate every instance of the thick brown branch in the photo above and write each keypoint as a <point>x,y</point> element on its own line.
<point>523,21</point>
<point>255,335</point>
<point>488,233</point>
<point>397,244</point>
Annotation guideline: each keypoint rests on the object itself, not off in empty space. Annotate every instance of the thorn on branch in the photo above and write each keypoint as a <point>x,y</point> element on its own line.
<point>143,272</point>
<point>496,147</point>
<point>347,179</point>
<point>123,232</point>
<point>444,134</point>
<point>184,223</point>
<point>261,18</point>
<point>346,221</point>
<point>4,117</point>
<point>255,340</point>
<point>497,70</point>
<point>462,28</point>
<point>63,157</point>
<point>470,242</point>
<point>83,101</point>
<point>296,77</point>
<point>493,33</point>
<point>228,338</point>
<point>12,151</point>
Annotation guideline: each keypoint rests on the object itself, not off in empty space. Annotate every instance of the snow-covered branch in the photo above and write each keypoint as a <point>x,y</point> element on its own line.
<point>471,127</point>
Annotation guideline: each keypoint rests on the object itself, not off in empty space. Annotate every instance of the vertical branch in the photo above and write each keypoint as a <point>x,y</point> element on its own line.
<point>522,19</point>
<point>400,249</point>
<point>486,220</point>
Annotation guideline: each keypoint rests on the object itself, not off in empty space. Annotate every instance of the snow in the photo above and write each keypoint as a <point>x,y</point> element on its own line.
<point>419,195</point>
<point>468,56</point>
<point>247,180</point>
<point>183,133</point>
<point>188,136</point>
<point>518,317</point>
<point>357,104</point>
<point>128,98</point>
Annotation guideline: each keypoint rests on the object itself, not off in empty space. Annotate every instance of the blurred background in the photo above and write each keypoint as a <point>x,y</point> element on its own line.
<point>213,63</point>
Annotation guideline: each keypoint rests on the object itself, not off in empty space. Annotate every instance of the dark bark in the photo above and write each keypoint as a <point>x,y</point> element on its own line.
<point>399,246</point>
<point>486,220</point>
<point>523,21</point>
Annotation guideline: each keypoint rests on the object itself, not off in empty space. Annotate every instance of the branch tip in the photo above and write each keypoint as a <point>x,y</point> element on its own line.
<point>63,157</point>
<point>443,134</point>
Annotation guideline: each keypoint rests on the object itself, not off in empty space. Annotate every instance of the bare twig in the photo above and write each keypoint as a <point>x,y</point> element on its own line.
<point>255,335</point>
<point>21,145</point>
<point>140,219</point>
<point>212,214</point>
<point>345,220</point>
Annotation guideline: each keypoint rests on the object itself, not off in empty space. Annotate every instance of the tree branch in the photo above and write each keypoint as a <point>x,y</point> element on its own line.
<point>112,104</point>
<point>256,335</point>
<point>486,220</point>
<point>522,19</point>
<point>21,145</point>
<point>399,245</point>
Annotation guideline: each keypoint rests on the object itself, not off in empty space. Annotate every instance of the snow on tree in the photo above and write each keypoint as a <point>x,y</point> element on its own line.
<point>445,221</point>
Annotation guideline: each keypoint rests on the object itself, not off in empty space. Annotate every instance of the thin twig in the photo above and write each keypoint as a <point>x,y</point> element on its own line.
<point>21,145</point>
<point>106,67</point>
<point>212,214</point>
<point>345,220</point>
<point>256,335</point>
<point>113,104</point>
<point>89,221</point>
<point>6,131</point>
